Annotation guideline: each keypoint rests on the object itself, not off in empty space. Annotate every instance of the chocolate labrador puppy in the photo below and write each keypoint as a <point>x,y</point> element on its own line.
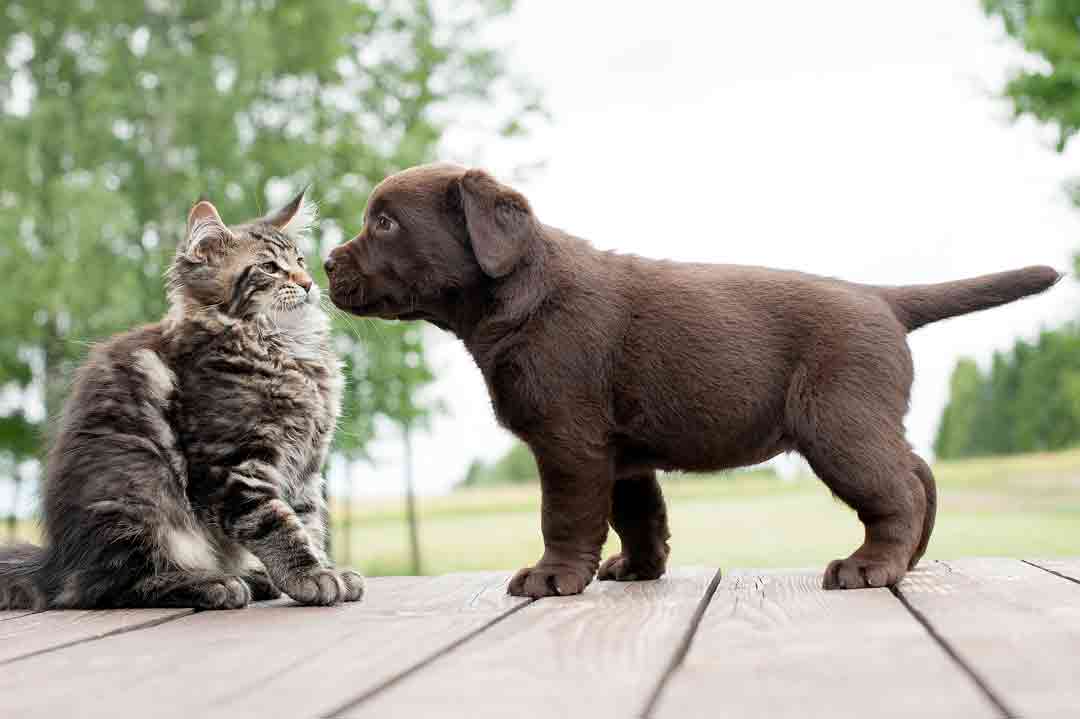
<point>612,366</point>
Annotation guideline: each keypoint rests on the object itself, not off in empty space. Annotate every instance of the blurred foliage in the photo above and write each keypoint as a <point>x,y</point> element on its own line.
<point>1029,401</point>
<point>1050,30</point>
<point>116,116</point>
<point>517,466</point>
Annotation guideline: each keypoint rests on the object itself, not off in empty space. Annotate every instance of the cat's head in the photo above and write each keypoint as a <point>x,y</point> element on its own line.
<point>256,268</point>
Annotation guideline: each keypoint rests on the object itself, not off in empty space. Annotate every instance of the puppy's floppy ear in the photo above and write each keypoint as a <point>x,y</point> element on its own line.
<point>499,220</point>
<point>206,233</point>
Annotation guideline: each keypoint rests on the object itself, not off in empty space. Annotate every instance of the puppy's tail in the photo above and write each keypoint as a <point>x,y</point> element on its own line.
<point>20,567</point>
<point>918,305</point>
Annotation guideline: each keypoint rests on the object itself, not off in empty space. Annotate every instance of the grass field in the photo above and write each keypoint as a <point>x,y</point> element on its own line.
<point>1022,506</point>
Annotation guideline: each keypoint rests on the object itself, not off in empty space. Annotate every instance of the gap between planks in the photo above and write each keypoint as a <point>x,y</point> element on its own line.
<point>1015,630</point>
<point>426,661</point>
<point>1055,572</point>
<point>684,646</point>
<point>93,637</point>
<point>73,622</point>
<point>980,683</point>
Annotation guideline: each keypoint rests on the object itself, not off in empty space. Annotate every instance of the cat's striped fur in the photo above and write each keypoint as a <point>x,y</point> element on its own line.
<point>186,466</point>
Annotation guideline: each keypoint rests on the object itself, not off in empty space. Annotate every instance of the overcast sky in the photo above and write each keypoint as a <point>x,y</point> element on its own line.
<point>853,139</point>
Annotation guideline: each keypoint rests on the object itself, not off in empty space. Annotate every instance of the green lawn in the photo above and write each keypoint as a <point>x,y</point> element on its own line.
<point>1023,506</point>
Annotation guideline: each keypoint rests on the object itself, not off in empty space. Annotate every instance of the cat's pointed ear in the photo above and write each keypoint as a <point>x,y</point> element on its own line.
<point>499,220</point>
<point>206,232</point>
<point>297,217</point>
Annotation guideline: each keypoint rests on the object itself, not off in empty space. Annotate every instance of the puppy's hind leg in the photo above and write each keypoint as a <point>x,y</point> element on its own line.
<point>639,517</point>
<point>854,442</point>
<point>922,471</point>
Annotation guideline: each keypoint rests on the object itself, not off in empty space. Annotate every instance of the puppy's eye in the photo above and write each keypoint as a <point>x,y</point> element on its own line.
<point>384,223</point>
<point>271,267</point>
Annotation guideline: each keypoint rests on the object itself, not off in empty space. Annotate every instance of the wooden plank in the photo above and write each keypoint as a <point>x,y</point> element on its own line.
<point>600,653</point>
<point>774,644</point>
<point>39,632</point>
<point>278,660</point>
<point>1016,626</point>
<point>1068,568</point>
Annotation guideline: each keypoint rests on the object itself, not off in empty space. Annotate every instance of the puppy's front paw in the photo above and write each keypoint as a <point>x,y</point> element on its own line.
<point>623,568</point>
<point>324,587</point>
<point>548,581</point>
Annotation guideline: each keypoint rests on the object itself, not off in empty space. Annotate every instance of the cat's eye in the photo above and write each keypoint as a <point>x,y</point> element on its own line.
<point>271,267</point>
<point>301,261</point>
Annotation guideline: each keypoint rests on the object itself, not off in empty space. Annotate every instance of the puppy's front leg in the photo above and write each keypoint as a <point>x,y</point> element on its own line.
<point>639,517</point>
<point>575,504</point>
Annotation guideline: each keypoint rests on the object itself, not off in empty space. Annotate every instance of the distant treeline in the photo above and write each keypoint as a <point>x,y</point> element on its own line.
<point>517,466</point>
<point>1029,401</point>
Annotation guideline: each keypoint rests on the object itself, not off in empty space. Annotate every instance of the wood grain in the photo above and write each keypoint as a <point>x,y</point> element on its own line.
<point>276,660</point>
<point>774,644</point>
<point>598,654</point>
<point>34,633</point>
<point>1016,626</point>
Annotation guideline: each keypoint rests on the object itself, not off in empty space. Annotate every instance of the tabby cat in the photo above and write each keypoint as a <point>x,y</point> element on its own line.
<point>185,470</point>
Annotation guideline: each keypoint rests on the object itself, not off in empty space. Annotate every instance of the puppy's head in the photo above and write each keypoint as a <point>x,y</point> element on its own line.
<point>429,232</point>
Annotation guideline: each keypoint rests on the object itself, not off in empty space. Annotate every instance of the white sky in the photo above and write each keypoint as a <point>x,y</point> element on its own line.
<point>854,139</point>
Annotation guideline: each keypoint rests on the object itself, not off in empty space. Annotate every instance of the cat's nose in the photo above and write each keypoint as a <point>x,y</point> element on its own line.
<point>303,279</point>
<point>329,264</point>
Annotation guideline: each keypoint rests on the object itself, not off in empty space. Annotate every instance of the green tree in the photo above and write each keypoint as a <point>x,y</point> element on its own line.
<point>955,432</point>
<point>116,116</point>
<point>1029,401</point>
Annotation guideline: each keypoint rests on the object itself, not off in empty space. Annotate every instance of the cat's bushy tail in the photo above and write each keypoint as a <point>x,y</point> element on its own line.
<point>20,567</point>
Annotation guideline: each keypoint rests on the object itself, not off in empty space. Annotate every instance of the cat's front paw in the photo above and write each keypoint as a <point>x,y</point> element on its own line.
<point>224,593</point>
<point>354,585</point>
<point>324,587</point>
<point>262,588</point>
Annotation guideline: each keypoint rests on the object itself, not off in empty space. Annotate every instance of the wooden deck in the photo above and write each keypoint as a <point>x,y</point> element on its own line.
<point>966,638</point>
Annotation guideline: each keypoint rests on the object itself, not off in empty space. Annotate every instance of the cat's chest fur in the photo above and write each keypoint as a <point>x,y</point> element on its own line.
<point>248,394</point>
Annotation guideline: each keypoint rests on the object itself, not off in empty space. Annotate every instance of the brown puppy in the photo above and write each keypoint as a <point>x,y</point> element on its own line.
<point>611,367</point>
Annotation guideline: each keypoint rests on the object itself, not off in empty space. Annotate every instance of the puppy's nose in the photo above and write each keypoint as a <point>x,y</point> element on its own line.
<point>329,264</point>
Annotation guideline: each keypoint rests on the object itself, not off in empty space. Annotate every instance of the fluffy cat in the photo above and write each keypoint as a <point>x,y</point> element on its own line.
<point>186,465</point>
